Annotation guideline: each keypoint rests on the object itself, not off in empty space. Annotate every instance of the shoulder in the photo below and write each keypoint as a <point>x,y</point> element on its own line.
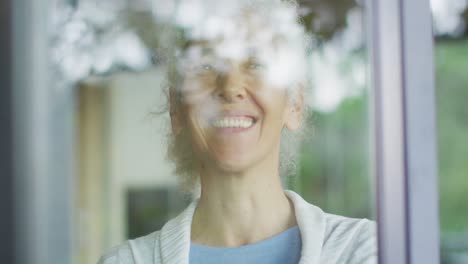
<point>336,239</point>
<point>355,239</point>
<point>172,241</point>
<point>341,226</point>
<point>135,251</point>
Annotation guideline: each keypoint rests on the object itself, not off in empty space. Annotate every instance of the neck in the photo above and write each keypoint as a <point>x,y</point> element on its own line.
<point>236,210</point>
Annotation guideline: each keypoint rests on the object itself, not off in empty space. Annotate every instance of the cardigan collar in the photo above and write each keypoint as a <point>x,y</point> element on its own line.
<point>174,239</point>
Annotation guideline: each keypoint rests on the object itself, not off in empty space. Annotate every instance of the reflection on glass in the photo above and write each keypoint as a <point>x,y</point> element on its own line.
<point>261,96</point>
<point>451,58</point>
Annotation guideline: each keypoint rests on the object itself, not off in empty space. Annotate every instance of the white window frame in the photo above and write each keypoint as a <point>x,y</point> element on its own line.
<point>405,131</point>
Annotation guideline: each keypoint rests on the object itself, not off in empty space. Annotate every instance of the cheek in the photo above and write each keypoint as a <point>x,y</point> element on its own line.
<point>197,89</point>
<point>272,100</point>
<point>201,113</point>
<point>197,97</point>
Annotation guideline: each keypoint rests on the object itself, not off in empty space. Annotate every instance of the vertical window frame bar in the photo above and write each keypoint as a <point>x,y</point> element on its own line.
<point>43,139</point>
<point>7,221</point>
<point>420,132</point>
<point>389,130</point>
<point>405,131</point>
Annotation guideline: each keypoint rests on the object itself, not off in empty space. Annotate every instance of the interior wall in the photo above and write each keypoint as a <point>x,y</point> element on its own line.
<point>122,145</point>
<point>136,142</point>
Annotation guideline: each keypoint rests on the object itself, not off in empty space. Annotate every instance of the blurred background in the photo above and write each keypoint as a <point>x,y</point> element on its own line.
<point>107,135</point>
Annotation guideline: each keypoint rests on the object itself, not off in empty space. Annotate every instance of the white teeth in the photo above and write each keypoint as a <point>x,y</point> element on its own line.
<point>233,123</point>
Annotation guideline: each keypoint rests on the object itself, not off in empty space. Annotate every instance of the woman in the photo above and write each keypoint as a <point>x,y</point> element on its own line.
<point>236,90</point>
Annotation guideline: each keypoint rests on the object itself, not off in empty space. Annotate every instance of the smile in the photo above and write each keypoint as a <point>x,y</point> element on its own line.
<point>234,122</point>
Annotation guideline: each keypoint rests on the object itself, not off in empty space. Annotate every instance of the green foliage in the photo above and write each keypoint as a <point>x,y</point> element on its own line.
<point>334,168</point>
<point>452,117</point>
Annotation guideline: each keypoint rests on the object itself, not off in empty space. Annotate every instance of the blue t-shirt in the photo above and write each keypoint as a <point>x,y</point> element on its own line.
<point>284,248</point>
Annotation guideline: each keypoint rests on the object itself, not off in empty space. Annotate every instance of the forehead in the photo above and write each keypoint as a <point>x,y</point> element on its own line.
<point>228,49</point>
<point>238,47</point>
<point>270,33</point>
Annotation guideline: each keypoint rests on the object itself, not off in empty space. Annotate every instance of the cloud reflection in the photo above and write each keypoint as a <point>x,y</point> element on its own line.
<point>92,39</point>
<point>446,16</point>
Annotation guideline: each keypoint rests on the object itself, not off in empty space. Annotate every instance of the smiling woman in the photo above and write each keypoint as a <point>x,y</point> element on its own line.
<point>236,87</point>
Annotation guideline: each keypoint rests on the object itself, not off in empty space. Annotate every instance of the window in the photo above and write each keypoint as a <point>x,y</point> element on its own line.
<point>98,106</point>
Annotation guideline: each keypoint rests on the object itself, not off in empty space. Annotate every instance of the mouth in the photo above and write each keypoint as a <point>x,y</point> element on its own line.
<point>234,122</point>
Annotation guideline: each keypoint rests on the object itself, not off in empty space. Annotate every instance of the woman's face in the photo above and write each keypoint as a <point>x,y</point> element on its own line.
<point>234,115</point>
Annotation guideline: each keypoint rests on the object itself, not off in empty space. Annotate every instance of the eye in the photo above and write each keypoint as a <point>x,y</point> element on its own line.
<point>254,65</point>
<point>203,69</point>
<point>207,67</point>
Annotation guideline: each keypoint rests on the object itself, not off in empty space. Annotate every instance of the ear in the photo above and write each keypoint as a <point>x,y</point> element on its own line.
<point>295,112</point>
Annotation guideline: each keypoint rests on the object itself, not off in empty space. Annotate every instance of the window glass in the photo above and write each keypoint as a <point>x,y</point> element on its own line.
<point>451,61</point>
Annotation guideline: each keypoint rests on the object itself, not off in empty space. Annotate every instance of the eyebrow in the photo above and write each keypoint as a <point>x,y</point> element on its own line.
<point>203,44</point>
<point>252,52</point>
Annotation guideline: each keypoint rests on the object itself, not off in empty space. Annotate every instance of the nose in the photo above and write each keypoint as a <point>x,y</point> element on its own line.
<point>231,86</point>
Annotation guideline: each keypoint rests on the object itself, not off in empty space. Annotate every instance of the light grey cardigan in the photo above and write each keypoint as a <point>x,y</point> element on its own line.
<point>326,238</point>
